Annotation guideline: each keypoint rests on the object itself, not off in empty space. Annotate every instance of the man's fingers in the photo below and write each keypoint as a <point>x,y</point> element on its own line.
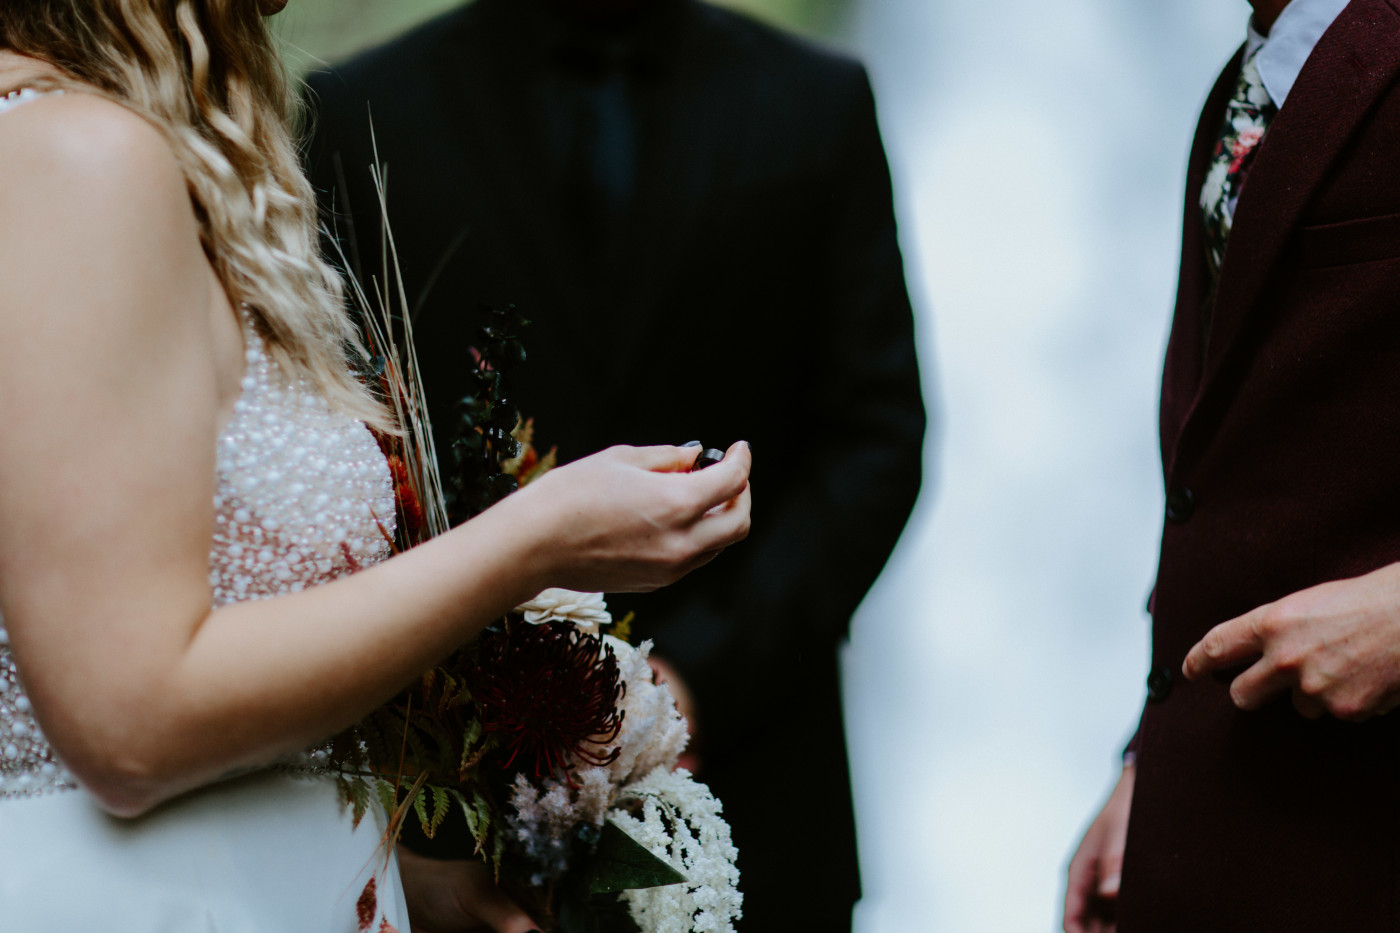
<point>1226,644</point>
<point>1309,707</point>
<point>1076,902</point>
<point>1110,873</point>
<point>1083,871</point>
<point>500,913</point>
<point>1259,684</point>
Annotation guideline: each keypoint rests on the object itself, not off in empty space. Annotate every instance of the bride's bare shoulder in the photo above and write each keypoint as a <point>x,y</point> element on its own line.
<point>82,140</point>
<point>86,181</point>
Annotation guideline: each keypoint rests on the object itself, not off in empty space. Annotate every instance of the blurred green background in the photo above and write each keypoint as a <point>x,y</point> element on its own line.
<point>328,30</point>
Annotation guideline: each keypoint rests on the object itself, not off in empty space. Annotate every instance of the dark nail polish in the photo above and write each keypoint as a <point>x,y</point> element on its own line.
<point>692,444</point>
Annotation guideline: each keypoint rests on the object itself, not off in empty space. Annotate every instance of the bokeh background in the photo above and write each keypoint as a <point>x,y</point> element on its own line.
<point>1038,149</point>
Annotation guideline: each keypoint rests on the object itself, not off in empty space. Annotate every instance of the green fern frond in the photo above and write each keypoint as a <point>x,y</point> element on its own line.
<point>388,796</point>
<point>417,750</point>
<point>483,814</point>
<point>498,852</point>
<point>342,787</point>
<point>433,732</point>
<point>473,822</point>
<point>420,808</point>
<point>359,800</point>
<point>441,803</point>
<point>474,732</point>
<point>456,694</point>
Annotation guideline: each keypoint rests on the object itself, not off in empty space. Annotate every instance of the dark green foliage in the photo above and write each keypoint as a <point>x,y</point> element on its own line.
<point>485,420</point>
<point>580,912</point>
<point>430,731</point>
<point>620,863</point>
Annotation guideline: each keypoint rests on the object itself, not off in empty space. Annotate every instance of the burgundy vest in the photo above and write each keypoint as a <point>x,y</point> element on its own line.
<point>1280,429</point>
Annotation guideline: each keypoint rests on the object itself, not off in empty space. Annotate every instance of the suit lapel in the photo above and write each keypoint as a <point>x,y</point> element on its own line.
<point>1182,377</point>
<point>1354,62</point>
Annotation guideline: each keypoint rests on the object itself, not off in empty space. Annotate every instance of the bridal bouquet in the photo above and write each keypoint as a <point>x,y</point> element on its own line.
<point>547,737</point>
<point>558,750</point>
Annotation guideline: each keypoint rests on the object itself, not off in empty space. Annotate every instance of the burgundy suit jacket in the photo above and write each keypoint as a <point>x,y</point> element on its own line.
<point>1280,431</point>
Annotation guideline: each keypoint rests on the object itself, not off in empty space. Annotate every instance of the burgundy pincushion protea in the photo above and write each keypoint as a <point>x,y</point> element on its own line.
<point>550,692</point>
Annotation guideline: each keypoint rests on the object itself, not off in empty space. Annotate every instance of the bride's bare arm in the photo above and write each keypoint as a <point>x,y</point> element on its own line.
<point>116,373</point>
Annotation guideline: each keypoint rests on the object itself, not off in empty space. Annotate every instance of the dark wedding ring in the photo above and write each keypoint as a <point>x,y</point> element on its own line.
<point>708,458</point>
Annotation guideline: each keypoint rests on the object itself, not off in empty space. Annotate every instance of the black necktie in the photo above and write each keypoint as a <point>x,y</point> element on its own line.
<point>602,171</point>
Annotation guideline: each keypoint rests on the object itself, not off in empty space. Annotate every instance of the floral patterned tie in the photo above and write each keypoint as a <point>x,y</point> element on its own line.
<point>1247,117</point>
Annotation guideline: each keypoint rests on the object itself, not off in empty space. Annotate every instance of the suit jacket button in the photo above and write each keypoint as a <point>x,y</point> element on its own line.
<point>1159,684</point>
<point>1180,504</point>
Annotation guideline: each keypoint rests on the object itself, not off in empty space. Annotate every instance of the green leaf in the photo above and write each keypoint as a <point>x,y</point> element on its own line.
<point>622,864</point>
<point>578,912</point>
<point>441,802</point>
<point>483,811</point>
<point>498,853</point>
<point>359,798</point>
<point>420,807</point>
<point>387,796</point>
<point>417,750</point>
<point>473,821</point>
<point>473,733</point>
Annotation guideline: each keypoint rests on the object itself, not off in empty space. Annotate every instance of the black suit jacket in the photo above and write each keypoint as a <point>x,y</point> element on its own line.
<point>756,291</point>
<point>1284,428</point>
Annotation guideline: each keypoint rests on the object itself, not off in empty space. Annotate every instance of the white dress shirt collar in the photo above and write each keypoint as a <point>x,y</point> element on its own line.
<point>1284,51</point>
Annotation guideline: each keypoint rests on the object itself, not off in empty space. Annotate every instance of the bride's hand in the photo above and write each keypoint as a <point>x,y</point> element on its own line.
<point>633,519</point>
<point>457,897</point>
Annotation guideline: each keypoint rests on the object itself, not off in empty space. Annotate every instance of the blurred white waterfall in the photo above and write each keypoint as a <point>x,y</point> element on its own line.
<point>1039,152</point>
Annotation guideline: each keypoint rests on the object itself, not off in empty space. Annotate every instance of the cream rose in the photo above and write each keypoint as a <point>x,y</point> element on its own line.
<point>586,610</point>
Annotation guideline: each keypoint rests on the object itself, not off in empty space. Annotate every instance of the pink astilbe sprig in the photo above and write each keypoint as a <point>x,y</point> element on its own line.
<point>551,694</point>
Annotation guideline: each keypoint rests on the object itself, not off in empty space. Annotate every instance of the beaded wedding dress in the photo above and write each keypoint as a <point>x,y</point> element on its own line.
<point>299,487</point>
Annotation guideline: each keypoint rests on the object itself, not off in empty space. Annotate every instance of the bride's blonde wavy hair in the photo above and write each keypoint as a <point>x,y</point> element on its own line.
<point>206,73</point>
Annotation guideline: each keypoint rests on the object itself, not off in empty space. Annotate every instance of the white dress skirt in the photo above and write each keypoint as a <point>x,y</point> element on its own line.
<point>268,853</point>
<point>302,492</point>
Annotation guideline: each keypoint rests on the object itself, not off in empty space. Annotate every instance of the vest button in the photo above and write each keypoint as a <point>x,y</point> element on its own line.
<point>1181,504</point>
<point>1159,684</point>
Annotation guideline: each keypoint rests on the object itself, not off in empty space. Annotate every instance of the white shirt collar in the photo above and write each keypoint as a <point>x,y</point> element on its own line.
<point>1288,45</point>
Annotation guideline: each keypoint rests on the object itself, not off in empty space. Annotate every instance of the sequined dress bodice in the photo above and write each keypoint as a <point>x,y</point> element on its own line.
<point>303,497</point>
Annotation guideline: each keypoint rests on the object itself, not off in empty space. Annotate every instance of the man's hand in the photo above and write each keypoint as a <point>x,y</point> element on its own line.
<point>1097,867</point>
<point>1335,646</point>
<point>457,897</point>
<point>664,673</point>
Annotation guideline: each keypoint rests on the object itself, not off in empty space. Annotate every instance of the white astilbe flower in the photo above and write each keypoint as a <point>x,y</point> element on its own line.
<point>680,823</point>
<point>653,732</point>
<point>543,818</point>
<point>586,610</point>
<point>594,794</point>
